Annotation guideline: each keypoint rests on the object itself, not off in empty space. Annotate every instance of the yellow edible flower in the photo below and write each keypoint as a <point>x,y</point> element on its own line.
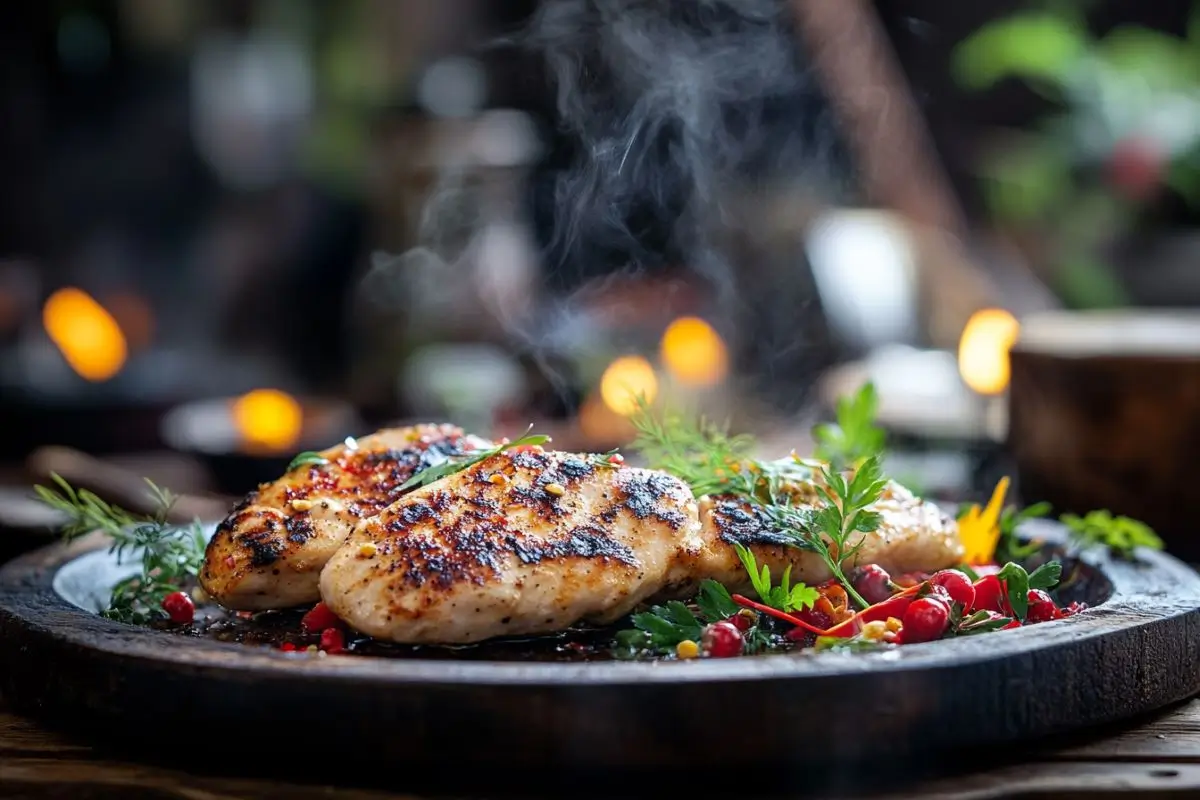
<point>979,530</point>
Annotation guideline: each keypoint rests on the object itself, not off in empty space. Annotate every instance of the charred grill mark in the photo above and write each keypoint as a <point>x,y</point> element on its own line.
<point>586,541</point>
<point>299,528</point>
<point>530,460</point>
<point>573,469</point>
<point>265,544</point>
<point>744,525</point>
<point>642,496</point>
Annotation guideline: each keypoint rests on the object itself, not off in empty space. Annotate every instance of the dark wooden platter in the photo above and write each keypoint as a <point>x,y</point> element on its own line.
<point>1136,651</point>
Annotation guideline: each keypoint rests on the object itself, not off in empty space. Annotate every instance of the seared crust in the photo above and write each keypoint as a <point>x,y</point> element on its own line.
<point>914,535</point>
<point>521,543</point>
<point>269,551</point>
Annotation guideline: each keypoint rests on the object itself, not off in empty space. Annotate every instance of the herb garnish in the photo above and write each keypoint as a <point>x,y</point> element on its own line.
<point>1009,546</point>
<point>854,436</point>
<point>308,457</point>
<point>661,629</point>
<point>1019,582</point>
<point>171,555</point>
<point>785,596</point>
<point>829,531</point>
<point>1121,535</point>
<point>699,452</point>
<point>453,465</point>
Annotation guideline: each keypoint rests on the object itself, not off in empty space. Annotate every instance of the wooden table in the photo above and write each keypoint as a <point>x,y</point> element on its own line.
<point>1152,758</point>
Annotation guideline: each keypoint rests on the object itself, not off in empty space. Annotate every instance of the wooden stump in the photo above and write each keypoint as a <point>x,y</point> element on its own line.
<point>1105,413</point>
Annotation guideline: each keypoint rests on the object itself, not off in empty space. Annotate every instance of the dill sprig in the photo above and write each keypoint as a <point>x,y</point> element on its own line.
<point>697,451</point>
<point>171,555</point>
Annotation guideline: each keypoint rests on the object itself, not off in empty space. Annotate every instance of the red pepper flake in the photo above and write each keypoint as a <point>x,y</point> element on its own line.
<point>229,562</point>
<point>617,459</point>
<point>332,641</point>
<point>319,619</point>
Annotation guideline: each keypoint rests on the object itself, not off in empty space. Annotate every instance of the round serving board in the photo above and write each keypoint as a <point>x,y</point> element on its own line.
<point>1135,652</point>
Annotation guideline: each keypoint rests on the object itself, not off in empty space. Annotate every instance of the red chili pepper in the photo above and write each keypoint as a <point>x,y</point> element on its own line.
<point>894,606</point>
<point>319,618</point>
<point>332,641</point>
<point>746,602</point>
<point>991,595</point>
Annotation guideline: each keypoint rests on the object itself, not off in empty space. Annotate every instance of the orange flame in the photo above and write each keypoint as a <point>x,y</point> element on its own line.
<point>85,333</point>
<point>268,418</point>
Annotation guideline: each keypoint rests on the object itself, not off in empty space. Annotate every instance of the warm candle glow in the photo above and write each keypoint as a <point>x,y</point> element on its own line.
<point>983,350</point>
<point>268,418</point>
<point>694,353</point>
<point>624,380</point>
<point>87,336</point>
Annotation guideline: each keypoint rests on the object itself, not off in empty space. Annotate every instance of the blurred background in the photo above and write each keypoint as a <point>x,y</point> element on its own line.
<point>233,230</point>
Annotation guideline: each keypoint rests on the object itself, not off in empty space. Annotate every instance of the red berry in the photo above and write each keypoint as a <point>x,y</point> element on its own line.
<point>287,647</point>
<point>925,620</point>
<point>332,640</point>
<point>1041,607</point>
<point>873,583</point>
<point>1074,609</point>
<point>721,640</point>
<point>616,459</point>
<point>318,619</point>
<point>179,608</point>
<point>744,620</point>
<point>957,585</point>
<point>990,595</point>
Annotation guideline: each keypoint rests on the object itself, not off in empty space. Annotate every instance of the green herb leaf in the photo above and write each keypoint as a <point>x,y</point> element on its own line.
<point>981,622</point>
<point>307,458</point>
<point>1009,547</point>
<point>700,453</point>
<point>1016,579</point>
<point>1121,535</point>
<point>171,555</point>
<point>785,596</point>
<point>1046,576</point>
<point>668,625</point>
<point>453,465</point>
<point>854,644</point>
<point>855,435</point>
<point>714,601</point>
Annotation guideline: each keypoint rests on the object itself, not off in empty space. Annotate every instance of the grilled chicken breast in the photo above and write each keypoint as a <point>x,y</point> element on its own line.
<point>913,536</point>
<point>520,543</point>
<point>269,552</point>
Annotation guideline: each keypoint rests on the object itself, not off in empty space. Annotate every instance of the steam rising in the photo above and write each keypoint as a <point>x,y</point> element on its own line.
<point>670,108</point>
<point>670,114</point>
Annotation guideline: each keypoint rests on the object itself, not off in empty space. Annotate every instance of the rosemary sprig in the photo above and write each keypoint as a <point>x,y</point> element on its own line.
<point>307,458</point>
<point>453,465</point>
<point>170,555</point>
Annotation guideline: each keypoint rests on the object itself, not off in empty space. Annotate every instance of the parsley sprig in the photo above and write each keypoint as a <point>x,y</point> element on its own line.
<point>784,596</point>
<point>1121,535</point>
<point>833,530</point>
<point>453,465</point>
<point>171,555</point>
<point>854,436</point>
